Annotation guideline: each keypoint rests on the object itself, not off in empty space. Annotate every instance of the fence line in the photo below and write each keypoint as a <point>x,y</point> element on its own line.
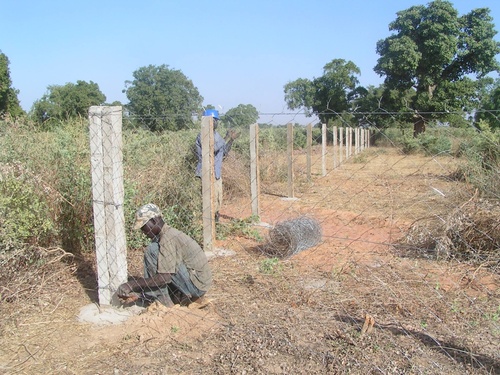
<point>355,278</point>
<point>106,145</point>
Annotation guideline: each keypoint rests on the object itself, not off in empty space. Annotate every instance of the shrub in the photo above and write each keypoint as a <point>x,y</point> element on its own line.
<point>481,166</point>
<point>434,145</point>
<point>58,161</point>
<point>159,168</point>
<point>410,144</point>
<point>24,215</point>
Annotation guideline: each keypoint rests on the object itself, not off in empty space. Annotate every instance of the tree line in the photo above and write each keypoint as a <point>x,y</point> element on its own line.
<point>435,64</point>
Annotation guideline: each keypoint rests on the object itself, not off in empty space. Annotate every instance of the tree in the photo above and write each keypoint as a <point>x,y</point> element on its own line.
<point>382,107</point>
<point>489,106</point>
<point>241,116</point>
<point>68,101</point>
<point>163,98</point>
<point>115,103</point>
<point>325,96</point>
<point>435,53</point>
<point>9,103</point>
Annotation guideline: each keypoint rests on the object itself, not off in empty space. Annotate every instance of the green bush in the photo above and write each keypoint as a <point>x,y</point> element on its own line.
<point>481,166</point>
<point>391,137</point>
<point>71,155</point>
<point>24,215</point>
<point>433,145</point>
<point>273,139</point>
<point>159,168</point>
<point>59,161</point>
<point>409,144</point>
<point>433,142</point>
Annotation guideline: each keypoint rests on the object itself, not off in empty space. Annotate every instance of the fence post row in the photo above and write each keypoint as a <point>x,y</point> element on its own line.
<point>105,131</point>
<point>354,146</point>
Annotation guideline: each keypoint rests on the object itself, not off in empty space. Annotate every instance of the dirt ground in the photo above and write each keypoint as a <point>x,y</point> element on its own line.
<point>355,303</point>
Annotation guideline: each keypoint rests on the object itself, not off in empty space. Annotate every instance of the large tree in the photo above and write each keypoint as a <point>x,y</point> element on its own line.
<point>68,101</point>
<point>9,102</point>
<point>241,116</point>
<point>437,54</point>
<point>162,98</point>
<point>328,95</point>
<point>380,107</point>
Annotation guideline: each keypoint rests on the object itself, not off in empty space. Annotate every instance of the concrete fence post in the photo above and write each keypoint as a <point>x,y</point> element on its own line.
<point>105,133</point>
<point>207,181</point>
<point>289,142</point>
<point>254,169</point>
<point>323,149</point>
<point>335,147</point>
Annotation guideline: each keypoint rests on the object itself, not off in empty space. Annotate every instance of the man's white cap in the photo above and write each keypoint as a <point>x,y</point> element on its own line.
<point>146,213</point>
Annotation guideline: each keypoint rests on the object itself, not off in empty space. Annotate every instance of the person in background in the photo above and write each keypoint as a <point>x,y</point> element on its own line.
<point>174,264</point>
<point>222,146</point>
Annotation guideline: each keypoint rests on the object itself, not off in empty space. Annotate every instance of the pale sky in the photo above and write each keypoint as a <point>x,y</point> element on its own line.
<point>235,52</point>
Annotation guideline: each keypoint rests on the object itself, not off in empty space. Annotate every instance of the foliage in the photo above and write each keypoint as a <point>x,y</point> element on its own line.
<point>482,160</point>
<point>433,52</point>
<point>273,138</point>
<point>240,228</point>
<point>382,107</point>
<point>241,116</point>
<point>58,161</point>
<point>276,138</point>
<point>70,101</point>
<point>328,95</point>
<point>409,144</point>
<point>24,214</point>
<point>433,145</point>
<point>162,98</point>
<point>162,173</point>
<point>489,110</point>
<point>71,158</point>
<point>270,266</point>
<point>9,102</point>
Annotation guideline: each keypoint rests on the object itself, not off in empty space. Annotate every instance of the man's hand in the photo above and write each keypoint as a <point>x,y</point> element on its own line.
<point>124,290</point>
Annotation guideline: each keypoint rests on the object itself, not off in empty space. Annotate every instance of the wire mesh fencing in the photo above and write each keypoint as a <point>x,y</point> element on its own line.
<point>289,237</point>
<point>385,256</point>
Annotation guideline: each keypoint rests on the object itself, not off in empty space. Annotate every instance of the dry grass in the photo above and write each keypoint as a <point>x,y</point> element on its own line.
<point>470,233</point>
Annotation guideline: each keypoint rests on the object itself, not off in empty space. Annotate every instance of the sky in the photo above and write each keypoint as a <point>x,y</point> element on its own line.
<point>234,51</point>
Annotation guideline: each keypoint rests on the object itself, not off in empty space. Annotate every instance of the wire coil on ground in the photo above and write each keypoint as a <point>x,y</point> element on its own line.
<point>292,236</point>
